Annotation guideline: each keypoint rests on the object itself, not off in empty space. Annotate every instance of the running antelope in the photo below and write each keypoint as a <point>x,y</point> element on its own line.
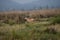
<point>29,19</point>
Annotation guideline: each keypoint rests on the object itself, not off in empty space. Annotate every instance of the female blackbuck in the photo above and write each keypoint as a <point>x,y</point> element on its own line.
<point>29,19</point>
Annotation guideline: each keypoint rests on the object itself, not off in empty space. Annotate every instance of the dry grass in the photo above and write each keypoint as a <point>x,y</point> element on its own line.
<point>22,30</point>
<point>18,16</point>
<point>43,12</point>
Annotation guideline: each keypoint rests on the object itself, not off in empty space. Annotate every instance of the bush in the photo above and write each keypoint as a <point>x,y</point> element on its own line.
<point>51,31</point>
<point>56,20</point>
<point>0,24</point>
<point>48,37</point>
<point>10,22</point>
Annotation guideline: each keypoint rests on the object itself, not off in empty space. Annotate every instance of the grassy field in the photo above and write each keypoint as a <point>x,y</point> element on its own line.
<point>46,25</point>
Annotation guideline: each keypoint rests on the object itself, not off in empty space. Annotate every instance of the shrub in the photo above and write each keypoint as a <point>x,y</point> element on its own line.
<point>48,37</point>
<point>0,24</point>
<point>56,20</point>
<point>10,22</point>
<point>50,30</point>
